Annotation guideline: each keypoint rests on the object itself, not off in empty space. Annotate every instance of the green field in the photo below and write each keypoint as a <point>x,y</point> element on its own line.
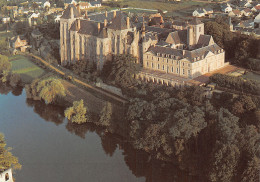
<point>171,7</point>
<point>28,70</point>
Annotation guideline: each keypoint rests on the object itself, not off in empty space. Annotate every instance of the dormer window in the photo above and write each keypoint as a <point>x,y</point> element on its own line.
<point>158,54</point>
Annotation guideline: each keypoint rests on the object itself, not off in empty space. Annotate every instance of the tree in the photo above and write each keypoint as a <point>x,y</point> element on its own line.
<point>49,89</point>
<point>5,67</point>
<point>14,79</point>
<point>251,173</point>
<point>77,113</point>
<point>123,69</point>
<point>106,115</point>
<point>7,160</point>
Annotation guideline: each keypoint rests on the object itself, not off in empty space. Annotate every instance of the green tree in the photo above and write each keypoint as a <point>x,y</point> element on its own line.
<point>49,89</point>
<point>77,113</point>
<point>7,160</point>
<point>106,115</point>
<point>123,69</point>
<point>5,67</point>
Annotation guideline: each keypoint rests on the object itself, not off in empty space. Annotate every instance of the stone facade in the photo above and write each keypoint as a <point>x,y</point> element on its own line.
<point>96,38</point>
<point>171,56</point>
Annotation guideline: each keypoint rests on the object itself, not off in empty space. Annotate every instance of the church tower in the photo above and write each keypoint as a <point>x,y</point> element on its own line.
<point>66,20</point>
<point>195,29</point>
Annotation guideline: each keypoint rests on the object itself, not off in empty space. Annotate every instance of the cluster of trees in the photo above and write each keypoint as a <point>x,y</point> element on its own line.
<point>78,113</point>
<point>50,90</point>
<point>236,83</point>
<point>6,75</point>
<point>7,160</point>
<point>239,47</point>
<point>86,69</point>
<point>183,127</point>
<point>121,71</point>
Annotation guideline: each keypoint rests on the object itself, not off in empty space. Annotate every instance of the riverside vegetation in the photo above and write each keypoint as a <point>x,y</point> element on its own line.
<point>218,138</point>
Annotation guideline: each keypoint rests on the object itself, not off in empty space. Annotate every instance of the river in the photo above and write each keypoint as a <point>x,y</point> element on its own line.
<point>52,150</point>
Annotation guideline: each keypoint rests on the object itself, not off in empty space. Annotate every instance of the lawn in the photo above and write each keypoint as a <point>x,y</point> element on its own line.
<point>27,69</point>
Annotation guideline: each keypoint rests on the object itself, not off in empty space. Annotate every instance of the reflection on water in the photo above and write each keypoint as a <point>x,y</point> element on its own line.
<point>72,152</point>
<point>49,112</point>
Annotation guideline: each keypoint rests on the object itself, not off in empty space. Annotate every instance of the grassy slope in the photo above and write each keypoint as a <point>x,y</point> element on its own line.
<point>28,70</point>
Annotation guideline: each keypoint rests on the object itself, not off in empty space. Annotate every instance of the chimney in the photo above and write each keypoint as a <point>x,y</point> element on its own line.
<point>105,23</point>
<point>106,13</point>
<point>127,22</point>
<point>98,26</point>
<point>78,24</point>
<point>86,14</point>
<point>78,8</point>
<point>71,12</point>
<point>114,14</point>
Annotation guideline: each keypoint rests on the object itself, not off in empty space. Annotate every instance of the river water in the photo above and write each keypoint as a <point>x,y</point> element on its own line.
<point>52,150</point>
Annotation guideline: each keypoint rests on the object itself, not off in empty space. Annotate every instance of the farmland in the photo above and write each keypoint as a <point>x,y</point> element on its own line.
<point>28,70</point>
<point>173,8</point>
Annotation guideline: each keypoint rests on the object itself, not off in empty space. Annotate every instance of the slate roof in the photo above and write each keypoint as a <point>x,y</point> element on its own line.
<point>165,50</point>
<point>190,55</point>
<point>67,15</point>
<point>201,52</point>
<point>195,21</point>
<point>100,17</point>
<point>179,23</point>
<point>177,37</point>
<point>204,40</point>
<point>88,27</point>
<point>118,23</point>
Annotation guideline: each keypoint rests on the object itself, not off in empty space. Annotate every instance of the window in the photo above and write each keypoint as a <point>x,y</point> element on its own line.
<point>158,66</point>
<point>183,71</point>
<point>147,56</point>
<point>152,65</point>
<point>158,59</point>
<point>189,72</point>
<point>182,64</point>
<point>167,60</point>
<point>147,63</point>
<point>199,29</point>
<point>163,67</point>
<point>172,69</point>
<point>177,70</point>
<point>152,57</point>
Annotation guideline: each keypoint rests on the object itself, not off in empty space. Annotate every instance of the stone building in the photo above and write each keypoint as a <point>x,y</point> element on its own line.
<point>96,37</point>
<point>168,55</point>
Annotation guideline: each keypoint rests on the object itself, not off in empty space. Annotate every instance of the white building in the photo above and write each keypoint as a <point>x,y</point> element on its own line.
<point>257,19</point>
<point>198,13</point>
<point>47,4</point>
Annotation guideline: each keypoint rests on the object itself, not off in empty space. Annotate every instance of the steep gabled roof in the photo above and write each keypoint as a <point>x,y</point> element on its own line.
<point>67,15</point>
<point>205,40</point>
<point>177,37</point>
<point>118,23</point>
<point>87,27</point>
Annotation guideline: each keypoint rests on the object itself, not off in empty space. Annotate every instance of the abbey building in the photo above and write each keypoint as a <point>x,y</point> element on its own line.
<point>170,55</point>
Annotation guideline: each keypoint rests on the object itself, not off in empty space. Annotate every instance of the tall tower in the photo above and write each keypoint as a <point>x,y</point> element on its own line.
<point>195,29</point>
<point>66,20</point>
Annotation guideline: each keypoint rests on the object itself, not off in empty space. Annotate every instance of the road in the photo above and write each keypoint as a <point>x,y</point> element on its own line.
<point>106,93</point>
